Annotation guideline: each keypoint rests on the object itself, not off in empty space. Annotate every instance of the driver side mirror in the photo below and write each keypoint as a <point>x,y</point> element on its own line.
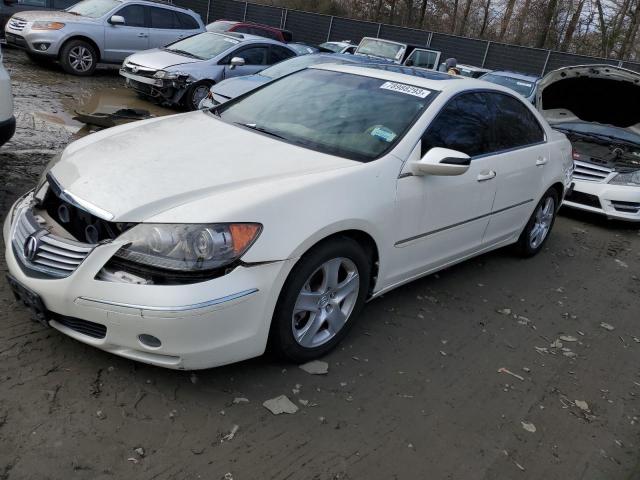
<point>442,161</point>
<point>117,20</point>
<point>236,62</point>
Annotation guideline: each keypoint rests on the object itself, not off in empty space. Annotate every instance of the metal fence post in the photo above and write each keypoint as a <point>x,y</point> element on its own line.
<point>330,26</point>
<point>546,61</point>
<point>429,37</point>
<point>208,10</point>
<point>486,51</point>
<point>244,15</point>
<point>284,20</point>
<point>379,28</point>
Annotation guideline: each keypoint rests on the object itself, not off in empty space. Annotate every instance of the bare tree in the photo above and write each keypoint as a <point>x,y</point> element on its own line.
<point>485,17</point>
<point>571,27</point>
<point>547,23</point>
<point>504,25</point>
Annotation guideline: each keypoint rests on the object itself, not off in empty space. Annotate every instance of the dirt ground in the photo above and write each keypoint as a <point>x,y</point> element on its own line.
<point>415,392</point>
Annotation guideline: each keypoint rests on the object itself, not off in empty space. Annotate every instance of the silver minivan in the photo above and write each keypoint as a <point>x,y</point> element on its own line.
<point>95,31</point>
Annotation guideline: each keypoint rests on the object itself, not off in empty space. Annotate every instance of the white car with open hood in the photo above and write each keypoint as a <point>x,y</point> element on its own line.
<point>598,108</point>
<point>193,240</point>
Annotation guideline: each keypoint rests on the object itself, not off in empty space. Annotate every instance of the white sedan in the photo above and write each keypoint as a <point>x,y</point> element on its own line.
<point>195,240</point>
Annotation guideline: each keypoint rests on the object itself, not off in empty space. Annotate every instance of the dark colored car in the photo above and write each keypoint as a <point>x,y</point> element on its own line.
<point>9,7</point>
<point>224,26</point>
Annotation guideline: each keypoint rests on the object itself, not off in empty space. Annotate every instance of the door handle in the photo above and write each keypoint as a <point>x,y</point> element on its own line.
<point>143,35</point>
<point>486,175</point>
<point>541,161</point>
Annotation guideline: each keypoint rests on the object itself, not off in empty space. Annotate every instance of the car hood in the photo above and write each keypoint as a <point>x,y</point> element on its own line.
<point>133,172</point>
<point>591,93</point>
<point>234,87</point>
<point>51,16</point>
<point>158,59</point>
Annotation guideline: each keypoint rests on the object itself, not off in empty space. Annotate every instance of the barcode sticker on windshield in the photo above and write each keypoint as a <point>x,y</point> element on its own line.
<point>523,84</point>
<point>408,89</point>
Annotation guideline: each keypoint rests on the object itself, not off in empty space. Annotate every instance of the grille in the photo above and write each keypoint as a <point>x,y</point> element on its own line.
<point>52,255</point>
<point>591,172</point>
<point>583,199</point>
<point>91,329</point>
<point>627,207</point>
<point>139,70</point>
<point>17,24</point>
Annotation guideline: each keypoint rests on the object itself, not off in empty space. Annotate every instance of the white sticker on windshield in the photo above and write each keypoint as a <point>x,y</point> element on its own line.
<point>408,89</point>
<point>524,84</point>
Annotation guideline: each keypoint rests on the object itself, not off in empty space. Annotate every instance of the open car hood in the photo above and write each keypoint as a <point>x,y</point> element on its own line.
<point>591,93</point>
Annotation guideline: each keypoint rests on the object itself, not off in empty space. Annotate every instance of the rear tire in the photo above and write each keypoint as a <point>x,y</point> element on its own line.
<point>78,57</point>
<point>318,303</point>
<point>538,228</point>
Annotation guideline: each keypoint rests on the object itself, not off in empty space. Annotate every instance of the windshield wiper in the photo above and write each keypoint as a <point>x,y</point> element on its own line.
<point>183,52</point>
<point>255,127</point>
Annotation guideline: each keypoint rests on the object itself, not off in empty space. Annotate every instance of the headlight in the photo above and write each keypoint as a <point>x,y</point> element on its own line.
<point>181,247</point>
<point>47,26</point>
<point>164,75</point>
<point>631,178</point>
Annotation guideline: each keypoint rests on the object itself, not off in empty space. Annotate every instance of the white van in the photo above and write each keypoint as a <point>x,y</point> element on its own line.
<point>7,120</point>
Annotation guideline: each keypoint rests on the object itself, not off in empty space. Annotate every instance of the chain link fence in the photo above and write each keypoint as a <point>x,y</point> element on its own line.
<point>317,28</point>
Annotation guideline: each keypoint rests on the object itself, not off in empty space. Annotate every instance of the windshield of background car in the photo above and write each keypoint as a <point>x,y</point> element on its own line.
<point>204,45</point>
<point>348,115</point>
<point>94,8</point>
<point>297,63</point>
<point>602,130</point>
<point>220,27</point>
<point>332,46</point>
<point>523,87</point>
<point>380,48</point>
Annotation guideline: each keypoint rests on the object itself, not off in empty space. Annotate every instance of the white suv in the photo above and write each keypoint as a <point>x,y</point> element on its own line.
<point>7,120</point>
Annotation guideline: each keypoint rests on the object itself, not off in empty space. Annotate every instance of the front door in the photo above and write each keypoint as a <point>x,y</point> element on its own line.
<point>442,219</point>
<point>120,41</point>
<point>256,58</point>
<point>423,58</point>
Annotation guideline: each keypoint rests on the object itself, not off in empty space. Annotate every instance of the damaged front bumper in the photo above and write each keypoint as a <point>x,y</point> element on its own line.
<point>168,91</point>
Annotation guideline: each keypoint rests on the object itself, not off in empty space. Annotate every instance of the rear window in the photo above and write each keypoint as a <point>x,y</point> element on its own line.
<point>381,48</point>
<point>523,87</point>
<point>220,26</point>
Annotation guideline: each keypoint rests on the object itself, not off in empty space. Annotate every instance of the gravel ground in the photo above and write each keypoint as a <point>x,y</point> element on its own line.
<point>416,391</point>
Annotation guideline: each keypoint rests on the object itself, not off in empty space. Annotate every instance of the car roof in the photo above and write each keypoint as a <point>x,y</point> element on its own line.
<point>160,3</point>
<point>419,77</point>
<point>519,76</point>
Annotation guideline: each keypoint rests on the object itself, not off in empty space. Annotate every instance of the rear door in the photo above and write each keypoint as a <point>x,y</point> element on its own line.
<point>423,58</point>
<point>256,58</point>
<point>522,153</point>
<point>164,27</point>
<point>120,41</point>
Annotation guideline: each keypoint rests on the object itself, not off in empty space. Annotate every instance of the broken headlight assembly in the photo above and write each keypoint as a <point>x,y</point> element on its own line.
<point>165,75</point>
<point>179,253</point>
<point>630,178</point>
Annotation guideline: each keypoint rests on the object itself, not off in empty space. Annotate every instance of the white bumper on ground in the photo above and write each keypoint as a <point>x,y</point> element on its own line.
<point>621,202</point>
<point>200,325</point>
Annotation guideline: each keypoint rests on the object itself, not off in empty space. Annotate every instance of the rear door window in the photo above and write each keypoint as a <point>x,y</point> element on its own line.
<point>464,124</point>
<point>187,21</point>
<point>254,55</point>
<point>515,126</point>
<point>423,58</point>
<point>279,53</point>
<point>163,18</point>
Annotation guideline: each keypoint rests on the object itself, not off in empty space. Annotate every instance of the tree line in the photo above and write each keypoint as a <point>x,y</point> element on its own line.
<point>605,28</point>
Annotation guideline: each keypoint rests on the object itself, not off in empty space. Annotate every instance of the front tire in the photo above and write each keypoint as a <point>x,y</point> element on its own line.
<point>79,58</point>
<point>195,94</point>
<point>325,290</point>
<point>536,232</point>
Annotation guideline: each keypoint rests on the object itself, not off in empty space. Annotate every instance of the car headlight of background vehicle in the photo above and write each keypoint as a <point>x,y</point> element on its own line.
<point>187,248</point>
<point>47,26</point>
<point>631,178</point>
<point>164,75</point>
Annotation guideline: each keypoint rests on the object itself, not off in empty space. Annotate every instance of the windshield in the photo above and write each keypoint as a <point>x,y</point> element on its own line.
<point>332,46</point>
<point>220,27</point>
<point>204,46</point>
<point>601,130</point>
<point>94,8</point>
<point>380,48</point>
<point>297,63</point>
<point>352,116</point>
<point>523,87</point>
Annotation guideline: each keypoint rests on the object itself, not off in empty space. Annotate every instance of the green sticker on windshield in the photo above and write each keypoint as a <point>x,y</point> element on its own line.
<point>383,133</point>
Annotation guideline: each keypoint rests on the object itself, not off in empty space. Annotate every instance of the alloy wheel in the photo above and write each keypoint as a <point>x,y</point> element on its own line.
<point>542,223</point>
<point>325,302</point>
<point>80,59</point>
